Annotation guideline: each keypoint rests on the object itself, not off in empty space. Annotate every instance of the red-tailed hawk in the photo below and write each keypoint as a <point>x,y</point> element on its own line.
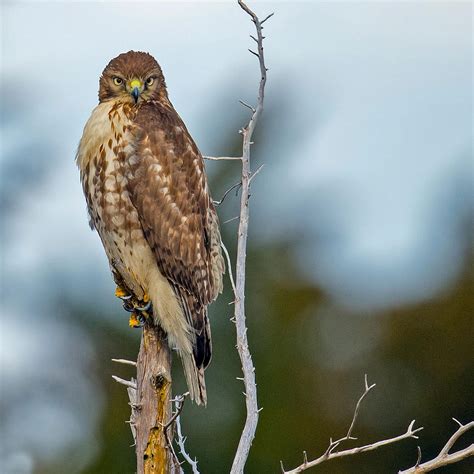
<point>148,198</point>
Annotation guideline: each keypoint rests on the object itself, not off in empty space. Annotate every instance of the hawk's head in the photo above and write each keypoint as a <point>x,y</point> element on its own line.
<point>133,77</point>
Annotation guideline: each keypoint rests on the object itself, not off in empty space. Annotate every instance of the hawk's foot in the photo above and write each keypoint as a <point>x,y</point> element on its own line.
<point>121,293</point>
<point>140,310</point>
<point>144,308</point>
<point>136,320</point>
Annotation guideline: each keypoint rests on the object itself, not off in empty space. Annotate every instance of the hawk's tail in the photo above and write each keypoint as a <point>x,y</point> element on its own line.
<point>194,363</point>
<point>195,379</point>
<point>185,321</point>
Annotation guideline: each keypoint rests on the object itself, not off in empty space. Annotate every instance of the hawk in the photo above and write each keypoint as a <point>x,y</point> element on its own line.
<point>148,198</point>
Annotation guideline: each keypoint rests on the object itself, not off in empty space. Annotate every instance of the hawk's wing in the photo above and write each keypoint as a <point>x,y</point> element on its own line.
<point>168,187</point>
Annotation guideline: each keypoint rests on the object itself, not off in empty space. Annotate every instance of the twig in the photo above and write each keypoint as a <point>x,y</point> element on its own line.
<point>418,459</point>
<point>254,53</point>
<point>247,105</point>
<point>231,219</point>
<point>127,383</point>
<point>223,158</point>
<point>125,362</point>
<point>266,18</point>
<point>331,454</point>
<point>132,396</point>
<point>180,441</point>
<point>357,408</point>
<point>248,369</point>
<point>444,458</point>
<point>179,404</point>
<point>236,185</point>
<point>254,173</point>
<point>229,267</point>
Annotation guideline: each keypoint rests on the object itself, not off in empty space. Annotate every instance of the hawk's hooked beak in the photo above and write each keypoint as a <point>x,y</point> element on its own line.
<point>136,88</point>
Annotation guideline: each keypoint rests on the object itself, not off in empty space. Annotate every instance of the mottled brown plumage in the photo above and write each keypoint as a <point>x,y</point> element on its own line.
<point>147,195</point>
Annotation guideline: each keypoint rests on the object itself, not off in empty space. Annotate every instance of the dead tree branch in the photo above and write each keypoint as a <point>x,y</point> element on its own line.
<point>330,452</point>
<point>248,369</point>
<point>153,403</point>
<point>150,400</point>
<point>180,440</point>
<point>444,457</point>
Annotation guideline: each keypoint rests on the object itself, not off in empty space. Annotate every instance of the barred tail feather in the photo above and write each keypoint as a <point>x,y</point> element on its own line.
<point>203,344</point>
<point>195,379</point>
<point>189,332</point>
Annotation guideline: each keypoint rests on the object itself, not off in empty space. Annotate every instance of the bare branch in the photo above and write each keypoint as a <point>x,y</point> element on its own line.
<point>328,455</point>
<point>223,158</point>
<point>254,173</point>
<point>132,396</point>
<point>125,362</point>
<point>236,185</point>
<point>458,422</point>
<point>418,459</point>
<point>254,53</point>
<point>247,105</point>
<point>330,452</point>
<point>444,458</point>
<point>265,19</point>
<point>231,219</point>
<point>229,267</point>
<point>179,405</point>
<point>127,383</point>
<point>182,449</point>
<point>357,408</point>
<point>248,369</point>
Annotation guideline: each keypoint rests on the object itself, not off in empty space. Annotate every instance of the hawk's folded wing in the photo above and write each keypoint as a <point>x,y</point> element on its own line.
<point>168,187</point>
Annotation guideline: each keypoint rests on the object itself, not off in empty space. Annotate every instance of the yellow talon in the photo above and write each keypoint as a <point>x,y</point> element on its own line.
<point>133,321</point>
<point>120,292</point>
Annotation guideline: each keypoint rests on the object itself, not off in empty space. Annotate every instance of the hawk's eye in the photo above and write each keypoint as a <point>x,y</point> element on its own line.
<point>118,81</point>
<point>150,81</point>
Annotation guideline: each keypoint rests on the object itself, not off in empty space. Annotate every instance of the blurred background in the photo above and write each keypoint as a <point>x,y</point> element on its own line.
<point>360,248</point>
